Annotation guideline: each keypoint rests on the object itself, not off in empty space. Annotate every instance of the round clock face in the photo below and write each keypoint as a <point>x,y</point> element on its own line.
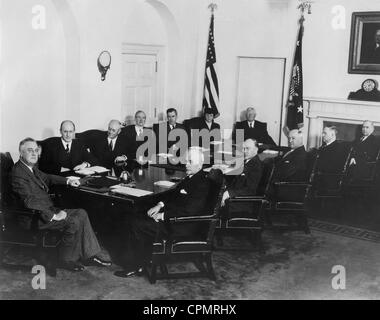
<point>369,85</point>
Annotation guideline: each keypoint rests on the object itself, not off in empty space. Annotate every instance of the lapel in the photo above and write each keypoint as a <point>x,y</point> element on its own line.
<point>31,175</point>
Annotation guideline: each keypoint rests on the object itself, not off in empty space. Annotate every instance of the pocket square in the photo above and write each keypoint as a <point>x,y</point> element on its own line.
<point>287,161</point>
<point>183,191</point>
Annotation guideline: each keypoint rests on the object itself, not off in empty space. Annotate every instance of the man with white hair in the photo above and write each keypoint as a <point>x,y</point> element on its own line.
<point>189,198</point>
<point>365,150</point>
<point>253,129</point>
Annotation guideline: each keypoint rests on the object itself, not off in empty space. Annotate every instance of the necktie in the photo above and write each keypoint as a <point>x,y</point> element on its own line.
<point>250,125</point>
<point>67,148</point>
<point>111,145</point>
<point>139,132</point>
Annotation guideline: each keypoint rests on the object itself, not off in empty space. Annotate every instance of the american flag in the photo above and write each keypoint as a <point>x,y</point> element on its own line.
<point>211,89</point>
<point>294,118</point>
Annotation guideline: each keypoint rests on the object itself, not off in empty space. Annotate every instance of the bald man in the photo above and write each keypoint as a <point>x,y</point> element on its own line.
<point>65,153</point>
<point>189,198</point>
<point>112,147</point>
<point>292,165</point>
<point>246,182</point>
<point>365,149</point>
<point>253,129</point>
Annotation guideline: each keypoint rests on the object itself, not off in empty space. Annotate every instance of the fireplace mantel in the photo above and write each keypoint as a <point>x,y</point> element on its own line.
<point>318,110</point>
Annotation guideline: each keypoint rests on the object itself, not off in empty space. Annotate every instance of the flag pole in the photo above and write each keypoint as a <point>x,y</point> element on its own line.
<point>303,6</point>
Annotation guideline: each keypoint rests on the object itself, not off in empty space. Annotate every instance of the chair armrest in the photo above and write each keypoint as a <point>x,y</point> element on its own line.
<point>193,218</point>
<point>239,199</point>
<point>292,183</point>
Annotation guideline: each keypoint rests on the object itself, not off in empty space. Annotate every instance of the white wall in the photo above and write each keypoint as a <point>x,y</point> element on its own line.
<point>48,75</point>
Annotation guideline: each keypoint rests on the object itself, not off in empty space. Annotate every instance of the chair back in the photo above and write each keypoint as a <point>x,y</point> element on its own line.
<point>90,138</point>
<point>7,163</point>
<point>215,177</point>
<point>266,177</point>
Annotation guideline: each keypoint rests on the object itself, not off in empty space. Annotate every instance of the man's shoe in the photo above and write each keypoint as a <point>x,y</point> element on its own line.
<point>72,266</point>
<point>96,261</point>
<point>129,272</point>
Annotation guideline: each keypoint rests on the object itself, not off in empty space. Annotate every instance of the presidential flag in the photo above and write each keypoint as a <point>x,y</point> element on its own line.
<point>211,89</point>
<point>294,118</point>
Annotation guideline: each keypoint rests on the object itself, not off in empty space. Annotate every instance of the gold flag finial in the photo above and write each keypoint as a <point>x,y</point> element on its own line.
<point>212,7</point>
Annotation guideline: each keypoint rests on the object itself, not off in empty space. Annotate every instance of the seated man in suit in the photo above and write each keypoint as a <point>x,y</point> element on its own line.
<point>112,147</point>
<point>31,187</point>
<point>332,154</point>
<point>364,150</point>
<point>245,183</point>
<point>253,129</point>
<point>65,153</point>
<point>136,134</point>
<point>292,165</point>
<point>189,198</point>
<point>165,134</point>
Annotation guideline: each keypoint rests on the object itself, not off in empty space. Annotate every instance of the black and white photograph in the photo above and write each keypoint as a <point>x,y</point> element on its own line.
<point>189,155</point>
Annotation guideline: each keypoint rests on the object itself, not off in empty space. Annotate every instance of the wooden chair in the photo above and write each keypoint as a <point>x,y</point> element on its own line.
<point>12,234</point>
<point>245,215</point>
<point>291,198</point>
<point>195,247</point>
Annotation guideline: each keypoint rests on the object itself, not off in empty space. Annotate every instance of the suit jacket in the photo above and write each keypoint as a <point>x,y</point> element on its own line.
<point>164,129</point>
<point>133,141</point>
<point>54,156</point>
<point>245,184</point>
<point>199,123</point>
<point>367,150</point>
<point>189,198</point>
<point>105,157</point>
<point>292,166</point>
<point>32,191</point>
<point>259,132</point>
<point>332,157</point>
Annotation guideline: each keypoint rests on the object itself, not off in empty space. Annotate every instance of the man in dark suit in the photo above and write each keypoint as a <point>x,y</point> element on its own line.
<point>189,198</point>
<point>332,154</point>
<point>292,165</point>
<point>253,129</point>
<point>31,187</point>
<point>364,150</point>
<point>136,135</point>
<point>112,147</point>
<point>63,154</point>
<point>169,133</point>
<point>245,182</point>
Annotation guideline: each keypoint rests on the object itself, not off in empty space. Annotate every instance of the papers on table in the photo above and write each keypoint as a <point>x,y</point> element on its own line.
<point>91,170</point>
<point>166,184</point>
<point>270,151</point>
<point>225,152</point>
<point>129,191</point>
<point>216,142</point>
<point>164,155</point>
<point>73,178</point>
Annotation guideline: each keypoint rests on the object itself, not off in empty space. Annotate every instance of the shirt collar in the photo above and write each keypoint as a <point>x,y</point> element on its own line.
<point>64,143</point>
<point>114,139</point>
<point>327,144</point>
<point>138,128</point>
<point>29,167</point>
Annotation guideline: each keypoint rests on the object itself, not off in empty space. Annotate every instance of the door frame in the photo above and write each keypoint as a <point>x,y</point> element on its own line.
<point>159,52</point>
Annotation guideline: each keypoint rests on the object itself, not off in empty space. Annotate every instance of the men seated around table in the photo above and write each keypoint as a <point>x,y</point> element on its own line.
<point>188,198</point>
<point>112,148</point>
<point>292,165</point>
<point>365,150</point>
<point>31,186</point>
<point>136,134</point>
<point>246,181</point>
<point>164,129</point>
<point>253,129</point>
<point>65,153</point>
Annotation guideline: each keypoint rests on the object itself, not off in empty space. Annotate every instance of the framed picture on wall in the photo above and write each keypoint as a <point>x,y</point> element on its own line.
<point>364,55</point>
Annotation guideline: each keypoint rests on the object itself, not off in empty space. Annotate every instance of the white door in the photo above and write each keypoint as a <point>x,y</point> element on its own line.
<point>261,85</point>
<point>140,90</point>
